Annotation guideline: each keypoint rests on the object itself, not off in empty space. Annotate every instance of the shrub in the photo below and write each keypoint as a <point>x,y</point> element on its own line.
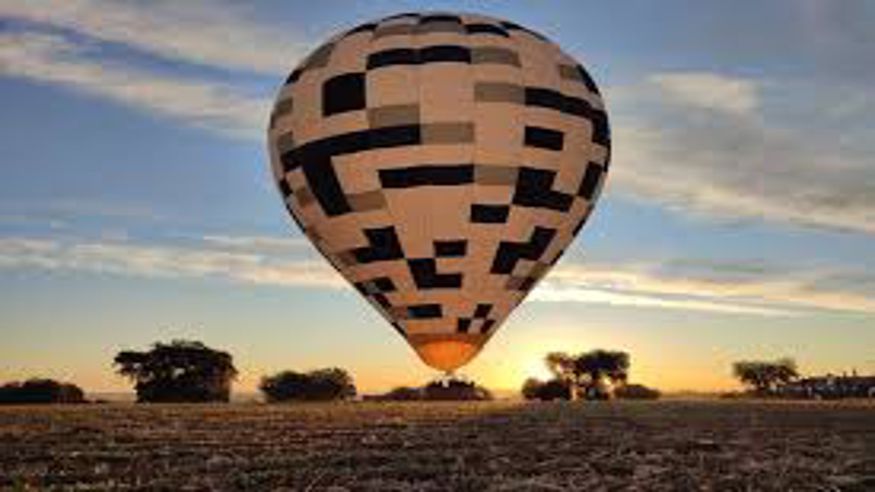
<point>401,393</point>
<point>553,389</point>
<point>636,392</point>
<point>40,391</point>
<point>531,389</point>
<point>319,385</point>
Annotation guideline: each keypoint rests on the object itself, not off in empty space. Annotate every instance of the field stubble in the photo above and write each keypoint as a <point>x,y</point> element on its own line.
<point>671,445</point>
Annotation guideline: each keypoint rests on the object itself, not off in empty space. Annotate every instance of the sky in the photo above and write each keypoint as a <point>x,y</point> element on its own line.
<point>136,202</point>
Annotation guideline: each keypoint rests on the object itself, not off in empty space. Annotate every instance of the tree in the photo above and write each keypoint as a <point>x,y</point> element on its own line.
<point>531,389</point>
<point>181,371</point>
<point>589,372</point>
<point>763,377</point>
<point>38,390</point>
<point>319,385</point>
<point>554,389</point>
<point>600,365</point>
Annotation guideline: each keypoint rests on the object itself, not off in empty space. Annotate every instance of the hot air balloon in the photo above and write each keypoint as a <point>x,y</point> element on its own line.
<point>442,163</point>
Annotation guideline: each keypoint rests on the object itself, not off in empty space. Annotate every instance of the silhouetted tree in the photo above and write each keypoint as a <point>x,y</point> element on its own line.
<point>636,392</point>
<point>561,365</point>
<point>763,377</point>
<point>531,388</point>
<point>319,385</point>
<point>600,365</point>
<point>588,372</point>
<point>554,389</point>
<point>181,371</point>
<point>37,390</point>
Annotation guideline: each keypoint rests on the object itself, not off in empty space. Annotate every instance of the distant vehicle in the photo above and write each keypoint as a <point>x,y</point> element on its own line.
<point>830,387</point>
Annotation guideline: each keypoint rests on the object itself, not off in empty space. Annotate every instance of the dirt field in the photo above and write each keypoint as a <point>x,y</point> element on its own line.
<point>672,445</point>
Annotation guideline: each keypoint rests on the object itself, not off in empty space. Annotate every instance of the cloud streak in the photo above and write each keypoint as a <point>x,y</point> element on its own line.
<point>50,58</point>
<point>205,32</point>
<point>697,143</point>
<point>288,262</point>
<point>588,295</point>
<point>748,289</point>
<point>266,244</point>
<point>709,91</point>
<point>255,266</point>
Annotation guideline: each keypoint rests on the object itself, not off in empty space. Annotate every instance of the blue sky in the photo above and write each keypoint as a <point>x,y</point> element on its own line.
<point>136,202</point>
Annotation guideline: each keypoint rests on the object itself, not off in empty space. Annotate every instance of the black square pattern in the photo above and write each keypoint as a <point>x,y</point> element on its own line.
<point>343,93</point>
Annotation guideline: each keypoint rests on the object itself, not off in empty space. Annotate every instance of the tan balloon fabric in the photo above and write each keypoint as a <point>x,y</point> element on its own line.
<point>442,163</point>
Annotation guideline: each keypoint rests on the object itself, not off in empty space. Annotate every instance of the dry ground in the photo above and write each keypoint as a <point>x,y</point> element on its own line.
<point>671,445</point>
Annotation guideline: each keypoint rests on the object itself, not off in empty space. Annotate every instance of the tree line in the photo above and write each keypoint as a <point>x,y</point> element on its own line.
<point>189,371</point>
<point>184,371</point>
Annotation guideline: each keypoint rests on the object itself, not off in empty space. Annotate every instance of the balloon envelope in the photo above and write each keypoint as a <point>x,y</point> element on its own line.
<point>442,163</point>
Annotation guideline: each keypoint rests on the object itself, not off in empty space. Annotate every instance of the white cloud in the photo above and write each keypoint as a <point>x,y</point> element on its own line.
<point>709,90</point>
<point>711,289</point>
<point>551,293</point>
<point>258,243</point>
<point>257,260</point>
<point>735,162</point>
<point>156,261</point>
<point>208,32</point>
<point>53,59</point>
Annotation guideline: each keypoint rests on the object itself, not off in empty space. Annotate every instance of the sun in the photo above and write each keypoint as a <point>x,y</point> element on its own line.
<point>535,368</point>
